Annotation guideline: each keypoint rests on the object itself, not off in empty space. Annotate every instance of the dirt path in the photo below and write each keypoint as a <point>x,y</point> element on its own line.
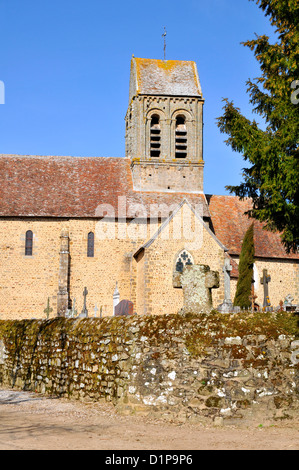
<point>29,421</point>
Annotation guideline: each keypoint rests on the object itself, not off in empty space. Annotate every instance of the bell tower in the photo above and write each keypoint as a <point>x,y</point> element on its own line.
<point>164,126</point>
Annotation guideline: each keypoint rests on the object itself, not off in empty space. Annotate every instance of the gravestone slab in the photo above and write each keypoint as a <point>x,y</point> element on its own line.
<point>124,308</point>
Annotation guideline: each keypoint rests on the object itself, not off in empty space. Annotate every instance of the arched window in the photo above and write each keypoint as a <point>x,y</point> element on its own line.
<point>155,136</point>
<point>180,137</point>
<point>29,243</point>
<point>90,245</point>
<point>184,259</point>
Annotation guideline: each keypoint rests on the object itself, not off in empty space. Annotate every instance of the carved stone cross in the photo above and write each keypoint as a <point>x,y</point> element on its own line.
<point>84,312</point>
<point>265,282</point>
<point>227,305</point>
<point>197,282</point>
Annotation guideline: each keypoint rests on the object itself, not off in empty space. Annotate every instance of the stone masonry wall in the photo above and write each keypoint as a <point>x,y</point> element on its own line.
<point>179,367</point>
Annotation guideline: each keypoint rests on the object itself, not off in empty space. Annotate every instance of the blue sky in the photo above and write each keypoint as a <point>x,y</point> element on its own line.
<point>66,64</point>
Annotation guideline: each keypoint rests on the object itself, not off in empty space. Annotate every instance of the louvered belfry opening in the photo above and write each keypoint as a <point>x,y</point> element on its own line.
<point>180,137</point>
<point>155,136</point>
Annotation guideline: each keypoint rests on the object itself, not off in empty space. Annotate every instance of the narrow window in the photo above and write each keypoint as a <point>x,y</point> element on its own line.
<point>155,136</point>
<point>180,137</point>
<point>29,243</point>
<point>90,245</point>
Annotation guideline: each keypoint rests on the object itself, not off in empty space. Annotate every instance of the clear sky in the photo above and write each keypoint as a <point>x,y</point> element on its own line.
<point>65,65</point>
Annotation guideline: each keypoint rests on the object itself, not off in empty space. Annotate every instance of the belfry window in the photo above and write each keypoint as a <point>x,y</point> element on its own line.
<point>29,243</point>
<point>180,137</point>
<point>184,259</point>
<point>155,136</point>
<point>90,245</point>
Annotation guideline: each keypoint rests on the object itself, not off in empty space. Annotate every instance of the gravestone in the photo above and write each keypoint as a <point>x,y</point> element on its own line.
<point>197,282</point>
<point>116,297</point>
<point>84,313</point>
<point>72,312</point>
<point>124,308</point>
<point>95,310</point>
<point>227,305</point>
<point>265,282</point>
<point>288,304</point>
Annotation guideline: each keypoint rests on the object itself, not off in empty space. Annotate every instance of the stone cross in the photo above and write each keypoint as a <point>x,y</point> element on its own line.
<point>265,281</point>
<point>84,312</point>
<point>48,310</point>
<point>95,310</point>
<point>197,282</point>
<point>227,305</point>
<point>164,35</point>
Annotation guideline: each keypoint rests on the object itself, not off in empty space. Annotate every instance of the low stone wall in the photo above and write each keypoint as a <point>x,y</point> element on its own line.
<point>180,367</point>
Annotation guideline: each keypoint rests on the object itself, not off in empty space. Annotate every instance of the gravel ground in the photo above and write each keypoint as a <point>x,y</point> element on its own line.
<point>34,422</point>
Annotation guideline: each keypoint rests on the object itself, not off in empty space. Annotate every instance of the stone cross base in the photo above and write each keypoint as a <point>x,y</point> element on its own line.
<point>226,307</point>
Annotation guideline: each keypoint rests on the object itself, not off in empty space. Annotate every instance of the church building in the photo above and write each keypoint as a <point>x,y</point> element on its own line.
<point>123,228</point>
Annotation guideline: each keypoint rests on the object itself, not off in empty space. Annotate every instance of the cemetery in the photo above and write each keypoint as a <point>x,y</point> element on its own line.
<point>199,365</point>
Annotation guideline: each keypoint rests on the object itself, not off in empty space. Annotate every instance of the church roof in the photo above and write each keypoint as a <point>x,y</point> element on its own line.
<point>37,186</point>
<point>84,187</point>
<point>159,77</point>
<point>230,225</point>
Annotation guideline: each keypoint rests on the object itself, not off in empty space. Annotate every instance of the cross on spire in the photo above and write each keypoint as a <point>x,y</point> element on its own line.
<point>164,35</point>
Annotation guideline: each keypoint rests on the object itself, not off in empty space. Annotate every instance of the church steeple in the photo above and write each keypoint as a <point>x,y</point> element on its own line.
<point>164,126</point>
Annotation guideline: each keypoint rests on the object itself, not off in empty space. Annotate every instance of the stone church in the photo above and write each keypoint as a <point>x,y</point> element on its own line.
<point>125,227</point>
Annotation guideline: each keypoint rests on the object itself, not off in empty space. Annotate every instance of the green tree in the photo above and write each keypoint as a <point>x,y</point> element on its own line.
<point>271,178</point>
<point>243,292</point>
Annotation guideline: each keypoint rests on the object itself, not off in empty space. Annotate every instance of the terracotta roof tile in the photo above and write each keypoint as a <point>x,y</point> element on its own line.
<point>230,225</point>
<point>75,187</point>
<point>35,186</point>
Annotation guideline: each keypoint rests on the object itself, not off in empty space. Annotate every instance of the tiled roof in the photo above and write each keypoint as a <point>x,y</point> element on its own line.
<point>36,186</point>
<point>77,187</point>
<point>159,77</point>
<point>230,225</point>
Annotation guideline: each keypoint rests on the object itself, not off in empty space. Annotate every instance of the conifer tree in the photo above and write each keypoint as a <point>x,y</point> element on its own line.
<point>272,154</point>
<point>243,292</point>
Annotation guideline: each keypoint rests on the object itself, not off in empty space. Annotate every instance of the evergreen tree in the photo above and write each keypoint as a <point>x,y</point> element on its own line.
<point>272,178</point>
<point>243,292</point>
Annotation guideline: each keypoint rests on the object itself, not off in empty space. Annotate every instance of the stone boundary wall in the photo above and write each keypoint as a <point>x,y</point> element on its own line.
<point>179,367</point>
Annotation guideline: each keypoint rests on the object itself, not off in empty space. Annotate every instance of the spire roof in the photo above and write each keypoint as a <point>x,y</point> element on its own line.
<point>159,77</point>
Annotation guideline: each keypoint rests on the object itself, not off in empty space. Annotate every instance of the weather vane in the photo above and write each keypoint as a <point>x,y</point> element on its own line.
<point>164,35</point>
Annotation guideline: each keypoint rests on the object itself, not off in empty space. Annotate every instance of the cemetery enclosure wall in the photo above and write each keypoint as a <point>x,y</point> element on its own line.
<point>180,367</point>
